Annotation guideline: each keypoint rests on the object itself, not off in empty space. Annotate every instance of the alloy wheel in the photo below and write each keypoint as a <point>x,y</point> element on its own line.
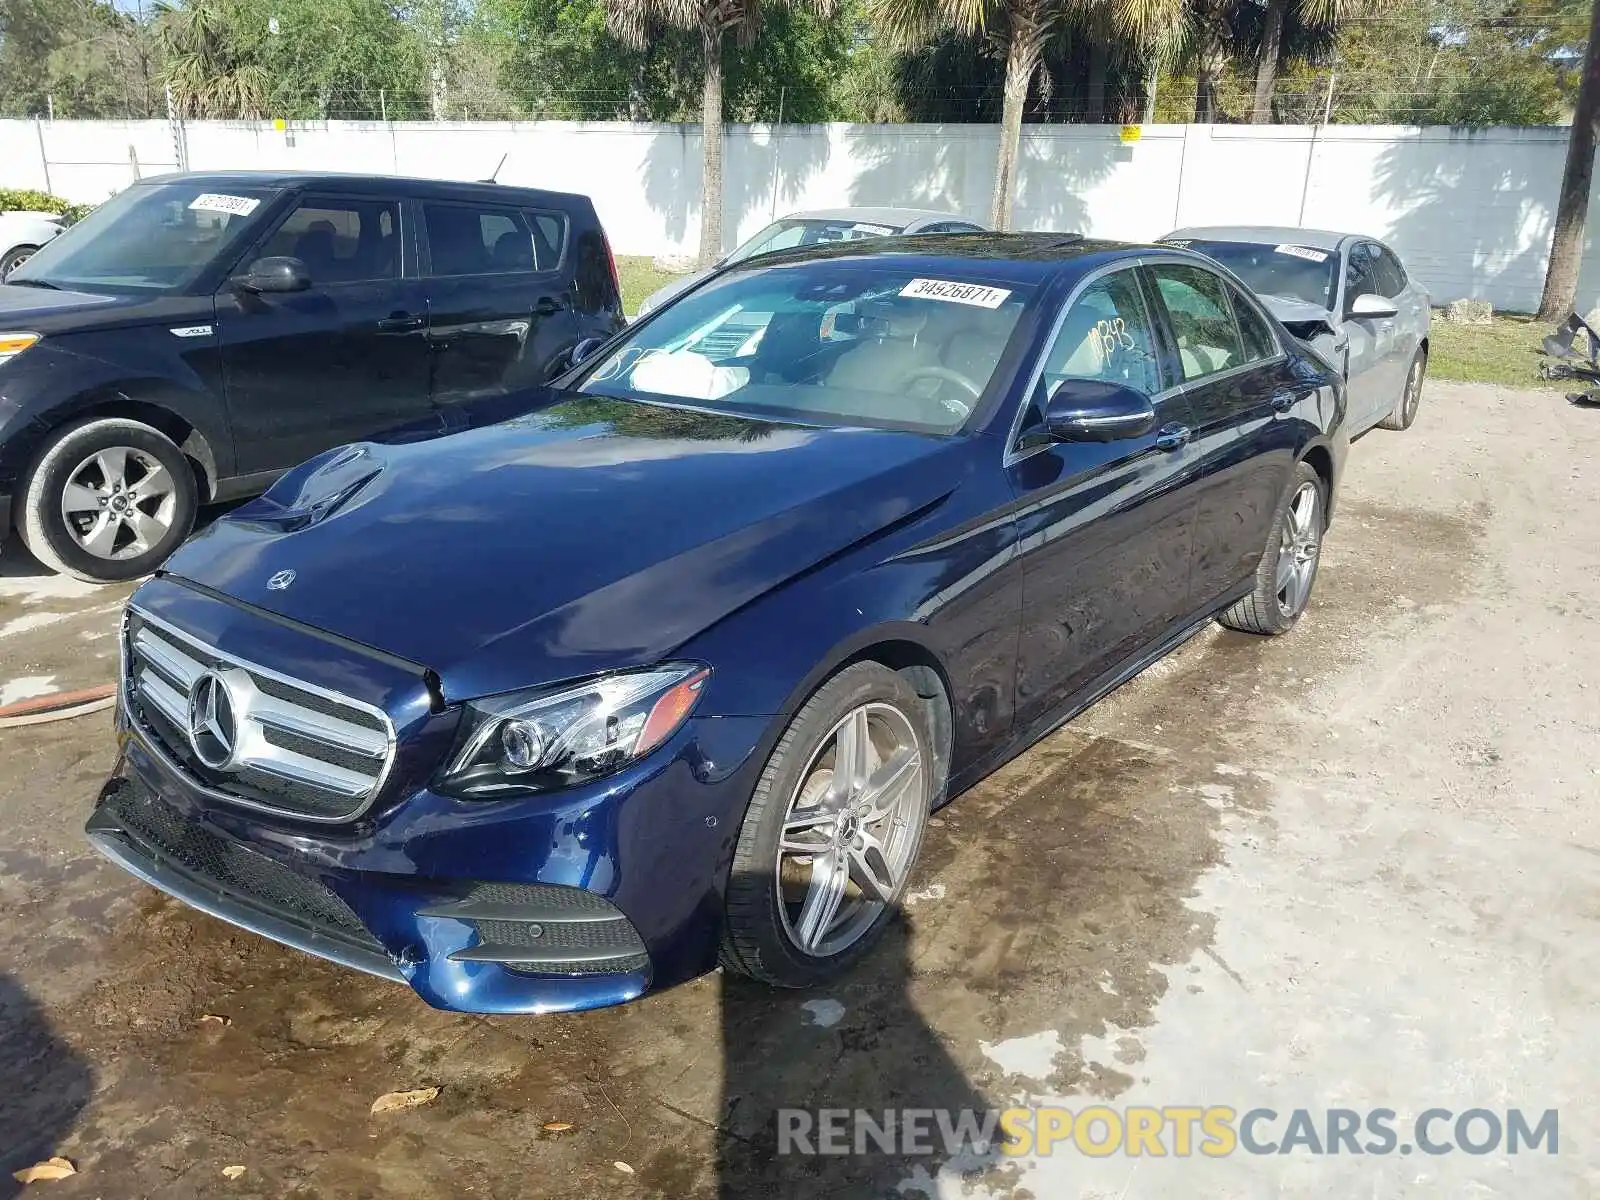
<point>119,503</point>
<point>849,832</point>
<point>1298,548</point>
<point>1413,392</point>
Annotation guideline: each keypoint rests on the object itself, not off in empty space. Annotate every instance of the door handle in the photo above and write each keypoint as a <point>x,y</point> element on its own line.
<point>1173,437</point>
<point>548,306</point>
<point>400,323</point>
<point>1283,401</point>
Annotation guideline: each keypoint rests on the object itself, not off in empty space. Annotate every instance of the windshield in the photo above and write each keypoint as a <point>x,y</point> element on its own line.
<point>809,231</point>
<point>154,238</point>
<point>839,343</point>
<point>1292,272</point>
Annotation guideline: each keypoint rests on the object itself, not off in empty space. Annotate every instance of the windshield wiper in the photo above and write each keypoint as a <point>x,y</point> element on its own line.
<point>38,283</point>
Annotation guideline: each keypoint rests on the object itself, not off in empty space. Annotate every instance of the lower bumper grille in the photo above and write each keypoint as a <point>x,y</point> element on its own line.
<point>151,839</point>
<point>543,929</point>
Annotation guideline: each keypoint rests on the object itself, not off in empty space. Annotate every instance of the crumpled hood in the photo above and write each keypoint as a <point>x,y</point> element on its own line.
<point>586,536</point>
<point>1291,311</point>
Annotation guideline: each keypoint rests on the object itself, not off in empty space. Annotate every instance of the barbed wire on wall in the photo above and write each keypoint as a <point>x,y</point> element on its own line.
<point>1291,108</point>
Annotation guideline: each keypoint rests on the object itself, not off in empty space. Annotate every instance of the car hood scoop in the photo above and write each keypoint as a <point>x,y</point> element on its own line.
<point>586,536</point>
<point>321,492</point>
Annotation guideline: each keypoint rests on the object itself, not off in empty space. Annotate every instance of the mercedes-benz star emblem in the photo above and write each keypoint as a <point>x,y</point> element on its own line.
<point>280,580</point>
<point>213,723</point>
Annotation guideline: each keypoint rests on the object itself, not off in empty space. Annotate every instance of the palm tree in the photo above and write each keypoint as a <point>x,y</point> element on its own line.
<point>1276,17</point>
<point>210,69</point>
<point>1020,30</point>
<point>632,21</point>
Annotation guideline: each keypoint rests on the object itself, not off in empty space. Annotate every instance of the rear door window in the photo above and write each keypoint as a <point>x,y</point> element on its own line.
<point>1254,332</point>
<point>479,239</point>
<point>1201,319</point>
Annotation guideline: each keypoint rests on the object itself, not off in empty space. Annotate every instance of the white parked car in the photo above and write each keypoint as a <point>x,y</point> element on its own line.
<point>1345,295</point>
<point>21,233</point>
<point>823,225</point>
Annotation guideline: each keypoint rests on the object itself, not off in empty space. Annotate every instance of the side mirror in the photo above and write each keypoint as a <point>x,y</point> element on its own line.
<point>279,273</point>
<point>1372,306</point>
<point>1093,410</point>
<point>585,347</point>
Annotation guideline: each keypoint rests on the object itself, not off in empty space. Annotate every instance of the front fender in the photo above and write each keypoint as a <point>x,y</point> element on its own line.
<point>52,384</point>
<point>945,590</point>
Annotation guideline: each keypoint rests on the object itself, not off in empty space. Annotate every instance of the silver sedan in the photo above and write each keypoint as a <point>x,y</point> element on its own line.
<point>1345,295</point>
<point>823,225</point>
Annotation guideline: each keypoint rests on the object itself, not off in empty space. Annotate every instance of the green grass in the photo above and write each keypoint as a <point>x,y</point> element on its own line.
<point>1505,352</point>
<point>639,276</point>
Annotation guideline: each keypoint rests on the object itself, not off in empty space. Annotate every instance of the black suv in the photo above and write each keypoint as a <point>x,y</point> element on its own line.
<point>198,334</point>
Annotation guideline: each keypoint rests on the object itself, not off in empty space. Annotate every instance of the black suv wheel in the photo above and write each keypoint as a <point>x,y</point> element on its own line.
<point>107,499</point>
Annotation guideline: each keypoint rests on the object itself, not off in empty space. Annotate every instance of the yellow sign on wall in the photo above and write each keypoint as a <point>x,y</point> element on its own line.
<point>1130,133</point>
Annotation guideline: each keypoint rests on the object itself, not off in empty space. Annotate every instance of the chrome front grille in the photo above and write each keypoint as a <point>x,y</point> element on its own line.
<point>288,747</point>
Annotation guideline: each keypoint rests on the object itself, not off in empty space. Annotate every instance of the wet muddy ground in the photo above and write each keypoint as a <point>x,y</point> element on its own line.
<point>1358,866</point>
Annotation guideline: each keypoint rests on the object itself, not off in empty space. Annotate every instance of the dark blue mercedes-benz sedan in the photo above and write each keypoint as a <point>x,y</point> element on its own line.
<point>669,668</point>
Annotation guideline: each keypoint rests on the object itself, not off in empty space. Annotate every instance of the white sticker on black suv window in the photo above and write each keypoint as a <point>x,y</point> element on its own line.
<point>239,206</point>
<point>956,293</point>
<point>1305,252</point>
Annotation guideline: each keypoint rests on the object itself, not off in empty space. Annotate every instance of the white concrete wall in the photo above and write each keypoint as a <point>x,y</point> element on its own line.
<point>1469,211</point>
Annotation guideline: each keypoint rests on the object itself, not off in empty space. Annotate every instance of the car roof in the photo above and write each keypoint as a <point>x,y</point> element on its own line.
<point>1012,257</point>
<point>360,184</point>
<point>900,217</point>
<point>1315,239</point>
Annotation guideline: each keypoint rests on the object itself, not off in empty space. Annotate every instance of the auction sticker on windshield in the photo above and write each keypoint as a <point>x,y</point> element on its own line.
<point>240,206</point>
<point>956,293</point>
<point>1305,252</point>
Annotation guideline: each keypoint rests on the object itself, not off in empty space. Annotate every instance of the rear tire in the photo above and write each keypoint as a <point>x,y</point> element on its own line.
<point>14,258</point>
<point>767,933</point>
<point>1288,562</point>
<point>1405,411</point>
<point>107,500</point>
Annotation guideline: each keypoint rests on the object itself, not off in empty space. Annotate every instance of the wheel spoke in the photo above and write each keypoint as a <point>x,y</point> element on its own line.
<point>870,868</point>
<point>156,484</point>
<point>888,782</point>
<point>1301,511</point>
<point>852,749</point>
<point>75,498</point>
<point>101,539</point>
<point>829,874</point>
<point>1285,572</point>
<point>801,834</point>
<point>147,530</point>
<point>113,464</point>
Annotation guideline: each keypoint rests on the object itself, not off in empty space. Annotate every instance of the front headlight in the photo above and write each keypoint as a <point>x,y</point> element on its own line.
<point>525,742</point>
<point>14,343</point>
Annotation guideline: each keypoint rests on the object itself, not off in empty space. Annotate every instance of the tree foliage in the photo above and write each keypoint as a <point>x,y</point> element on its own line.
<point>77,58</point>
<point>1460,62</point>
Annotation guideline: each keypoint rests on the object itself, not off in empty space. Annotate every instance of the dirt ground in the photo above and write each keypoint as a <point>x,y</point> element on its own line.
<point>1358,866</point>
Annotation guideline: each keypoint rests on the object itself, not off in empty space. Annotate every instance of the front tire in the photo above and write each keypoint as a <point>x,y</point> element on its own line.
<point>14,258</point>
<point>832,831</point>
<point>1405,411</point>
<point>107,500</point>
<point>1289,562</point>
